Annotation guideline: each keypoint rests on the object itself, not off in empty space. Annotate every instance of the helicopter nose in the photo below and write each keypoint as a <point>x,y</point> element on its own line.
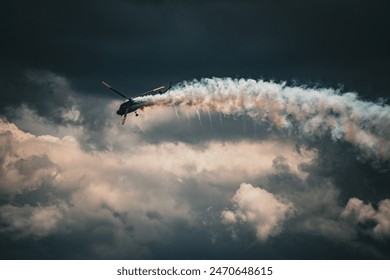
<point>119,112</point>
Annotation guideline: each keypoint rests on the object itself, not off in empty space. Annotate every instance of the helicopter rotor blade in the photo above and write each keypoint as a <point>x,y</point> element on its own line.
<point>159,88</point>
<point>167,89</point>
<point>150,91</point>
<point>114,90</point>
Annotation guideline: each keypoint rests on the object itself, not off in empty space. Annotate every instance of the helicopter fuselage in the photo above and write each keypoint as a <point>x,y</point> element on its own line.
<point>129,106</point>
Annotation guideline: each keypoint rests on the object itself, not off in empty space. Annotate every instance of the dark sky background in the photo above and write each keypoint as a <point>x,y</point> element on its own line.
<point>77,185</point>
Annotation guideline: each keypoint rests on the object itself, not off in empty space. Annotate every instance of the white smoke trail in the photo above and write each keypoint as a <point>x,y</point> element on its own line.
<point>188,118</point>
<point>211,121</point>
<point>312,112</point>
<point>200,120</point>
<point>177,115</point>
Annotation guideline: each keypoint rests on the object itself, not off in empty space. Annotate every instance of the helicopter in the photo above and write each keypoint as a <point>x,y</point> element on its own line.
<point>130,105</point>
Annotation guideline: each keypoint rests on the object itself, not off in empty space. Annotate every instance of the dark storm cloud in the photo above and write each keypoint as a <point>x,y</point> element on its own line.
<point>136,45</point>
<point>133,43</point>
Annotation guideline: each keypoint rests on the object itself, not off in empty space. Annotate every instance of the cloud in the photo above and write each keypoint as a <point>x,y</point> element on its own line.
<point>21,173</point>
<point>140,190</point>
<point>359,213</point>
<point>36,221</point>
<point>143,190</point>
<point>259,208</point>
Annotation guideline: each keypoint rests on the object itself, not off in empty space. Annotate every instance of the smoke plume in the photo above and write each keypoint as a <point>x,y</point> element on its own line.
<point>309,113</point>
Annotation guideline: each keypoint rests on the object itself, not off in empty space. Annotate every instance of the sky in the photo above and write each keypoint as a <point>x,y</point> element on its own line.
<point>274,142</point>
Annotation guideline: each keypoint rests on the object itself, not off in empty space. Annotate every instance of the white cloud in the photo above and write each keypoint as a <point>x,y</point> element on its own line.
<point>71,166</point>
<point>123,186</point>
<point>72,115</point>
<point>359,213</point>
<point>382,216</point>
<point>28,220</point>
<point>260,208</point>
